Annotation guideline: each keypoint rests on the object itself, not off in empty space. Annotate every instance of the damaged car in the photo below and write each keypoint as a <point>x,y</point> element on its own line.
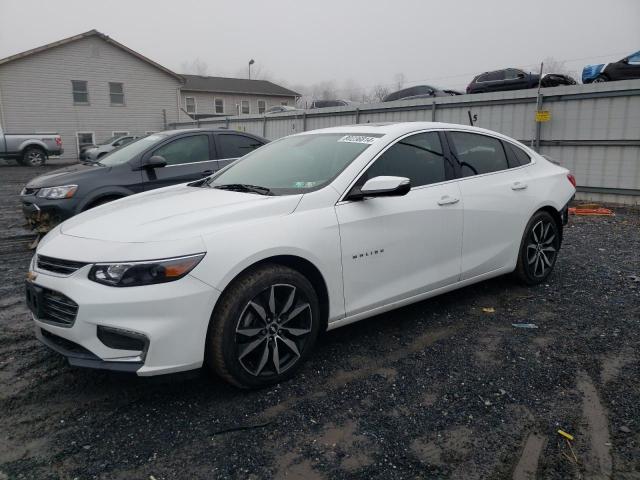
<point>154,161</point>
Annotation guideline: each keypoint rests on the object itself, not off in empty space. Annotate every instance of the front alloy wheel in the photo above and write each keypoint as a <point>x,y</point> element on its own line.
<point>272,330</point>
<point>263,327</point>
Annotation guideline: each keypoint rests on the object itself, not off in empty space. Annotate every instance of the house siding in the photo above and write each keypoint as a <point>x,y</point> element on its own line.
<point>205,105</point>
<point>37,97</point>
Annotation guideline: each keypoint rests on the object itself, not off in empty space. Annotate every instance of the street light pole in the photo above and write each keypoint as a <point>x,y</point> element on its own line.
<point>251,62</point>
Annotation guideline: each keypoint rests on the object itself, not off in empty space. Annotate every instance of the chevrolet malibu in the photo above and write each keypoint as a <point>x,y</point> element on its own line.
<point>241,271</point>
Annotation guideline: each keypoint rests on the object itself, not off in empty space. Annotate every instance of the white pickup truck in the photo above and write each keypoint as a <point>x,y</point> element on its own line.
<point>30,149</point>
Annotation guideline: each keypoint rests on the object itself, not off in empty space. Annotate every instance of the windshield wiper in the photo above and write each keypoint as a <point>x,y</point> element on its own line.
<point>244,187</point>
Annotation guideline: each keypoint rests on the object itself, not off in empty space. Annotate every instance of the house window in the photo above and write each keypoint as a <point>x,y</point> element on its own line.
<point>80,92</point>
<point>116,93</point>
<point>262,106</point>
<point>190,104</point>
<point>84,139</point>
<point>120,134</point>
<point>219,105</point>
<point>284,104</point>
<point>244,107</point>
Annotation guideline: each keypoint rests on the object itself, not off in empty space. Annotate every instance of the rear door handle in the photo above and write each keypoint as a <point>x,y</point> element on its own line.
<point>206,173</point>
<point>447,200</point>
<point>518,186</point>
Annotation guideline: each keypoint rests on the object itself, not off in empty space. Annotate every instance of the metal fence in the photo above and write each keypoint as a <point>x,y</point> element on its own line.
<point>594,130</point>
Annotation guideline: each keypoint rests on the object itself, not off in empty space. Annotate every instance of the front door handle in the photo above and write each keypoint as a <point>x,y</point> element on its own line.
<point>206,173</point>
<point>519,186</point>
<point>448,200</point>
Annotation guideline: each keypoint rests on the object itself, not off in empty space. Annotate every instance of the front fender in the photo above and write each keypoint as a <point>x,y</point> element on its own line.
<point>102,192</point>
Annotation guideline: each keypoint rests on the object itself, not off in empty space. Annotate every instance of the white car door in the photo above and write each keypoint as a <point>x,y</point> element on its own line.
<point>397,247</point>
<point>496,202</point>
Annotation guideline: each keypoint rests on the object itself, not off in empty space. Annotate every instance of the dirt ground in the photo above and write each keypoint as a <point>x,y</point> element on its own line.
<point>446,388</point>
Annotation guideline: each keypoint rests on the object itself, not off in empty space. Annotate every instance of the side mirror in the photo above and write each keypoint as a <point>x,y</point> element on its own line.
<point>154,162</point>
<point>383,186</point>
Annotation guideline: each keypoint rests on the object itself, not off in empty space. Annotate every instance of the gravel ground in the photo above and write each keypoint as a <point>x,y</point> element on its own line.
<point>445,388</point>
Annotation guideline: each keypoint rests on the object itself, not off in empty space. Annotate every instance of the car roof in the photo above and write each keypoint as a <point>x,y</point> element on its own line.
<point>186,130</point>
<point>400,128</point>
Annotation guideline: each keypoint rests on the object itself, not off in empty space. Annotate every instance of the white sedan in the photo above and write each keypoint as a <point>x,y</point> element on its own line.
<point>242,270</point>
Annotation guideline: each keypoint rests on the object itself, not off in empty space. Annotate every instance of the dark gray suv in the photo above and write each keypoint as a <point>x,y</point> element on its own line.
<point>158,160</point>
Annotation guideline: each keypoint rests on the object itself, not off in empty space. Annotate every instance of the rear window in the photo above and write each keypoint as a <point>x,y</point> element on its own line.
<point>517,154</point>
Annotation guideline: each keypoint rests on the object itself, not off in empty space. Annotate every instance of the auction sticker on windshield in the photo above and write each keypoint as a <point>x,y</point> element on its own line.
<point>357,139</point>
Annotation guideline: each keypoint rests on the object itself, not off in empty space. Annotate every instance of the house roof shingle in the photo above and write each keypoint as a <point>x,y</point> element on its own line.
<point>234,85</point>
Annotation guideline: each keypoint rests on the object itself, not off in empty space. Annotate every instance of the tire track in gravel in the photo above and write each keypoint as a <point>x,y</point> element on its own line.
<point>598,464</point>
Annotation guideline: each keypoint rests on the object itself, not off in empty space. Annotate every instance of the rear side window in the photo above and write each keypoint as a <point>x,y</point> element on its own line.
<point>517,156</point>
<point>235,146</point>
<point>492,76</point>
<point>478,154</point>
<point>418,157</point>
<point>194,148</point>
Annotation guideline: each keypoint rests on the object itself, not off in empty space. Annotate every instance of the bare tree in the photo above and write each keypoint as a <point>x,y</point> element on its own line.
<point>379,92</point>
<point>399,80</point>
<point>351,90</point>
<point>195,67</point>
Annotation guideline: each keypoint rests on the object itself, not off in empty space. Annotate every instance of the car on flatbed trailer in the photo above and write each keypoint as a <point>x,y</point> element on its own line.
<point>30,149</point>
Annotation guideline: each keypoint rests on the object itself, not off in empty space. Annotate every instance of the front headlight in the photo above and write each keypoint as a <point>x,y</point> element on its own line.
<point>133,274</point>
<point>63,191</point>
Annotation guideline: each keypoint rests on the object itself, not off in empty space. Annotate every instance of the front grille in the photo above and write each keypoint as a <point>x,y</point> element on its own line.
<point>67,346</point>
<point>57,308</point>
<point>57,265</point>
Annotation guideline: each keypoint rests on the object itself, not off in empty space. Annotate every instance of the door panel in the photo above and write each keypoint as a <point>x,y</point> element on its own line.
<point>496,203</point>
<point>397,247</point>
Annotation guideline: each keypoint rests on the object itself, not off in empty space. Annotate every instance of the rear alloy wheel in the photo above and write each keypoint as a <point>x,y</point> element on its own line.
<point>33,157</point>
<point>539,250</point>
<point>265,326</point>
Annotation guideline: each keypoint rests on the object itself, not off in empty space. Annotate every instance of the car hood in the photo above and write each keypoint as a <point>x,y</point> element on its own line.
<point>65,176</point>
<point>175,213</point>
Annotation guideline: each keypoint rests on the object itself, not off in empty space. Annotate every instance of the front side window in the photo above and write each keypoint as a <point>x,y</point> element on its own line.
<point>123,141</point>
<point>478,154</point>
<point>262,106</point>
<point>236,146</point>
<point>131,150</point>
<point>219,105</point>
<point>80,92</point>
<point>194,148</point>
<point>190,104</point>
<point>418,158</point>
<point>116,93</point>
<point>244,107</point>
<point>297,164</point>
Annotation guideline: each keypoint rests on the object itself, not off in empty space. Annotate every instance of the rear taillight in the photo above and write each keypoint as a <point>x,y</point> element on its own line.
<point>59,141</point>
<point>572,179</point>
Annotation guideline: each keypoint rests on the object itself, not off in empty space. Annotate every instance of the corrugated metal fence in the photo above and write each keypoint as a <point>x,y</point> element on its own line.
<point>594,129</point>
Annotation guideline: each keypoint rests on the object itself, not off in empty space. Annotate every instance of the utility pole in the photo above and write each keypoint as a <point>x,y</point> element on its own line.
<point>535,142</point>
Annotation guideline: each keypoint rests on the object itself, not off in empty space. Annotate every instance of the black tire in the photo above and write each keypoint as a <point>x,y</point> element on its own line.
<point>248,359</point>
<point>600,79</point>
<point>100,201</point>
<point>539,249</point>
<point>33,157</point>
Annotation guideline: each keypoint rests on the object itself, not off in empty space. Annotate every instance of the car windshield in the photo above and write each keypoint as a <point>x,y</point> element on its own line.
<point>124,154</point>
<point>296,164</point>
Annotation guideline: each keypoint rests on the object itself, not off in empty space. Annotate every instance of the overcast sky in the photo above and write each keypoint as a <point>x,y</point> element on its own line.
<point>444,42</point>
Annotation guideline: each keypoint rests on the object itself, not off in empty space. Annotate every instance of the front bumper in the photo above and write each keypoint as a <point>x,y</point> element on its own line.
<point>172,318</point>
<point>42,214</point>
